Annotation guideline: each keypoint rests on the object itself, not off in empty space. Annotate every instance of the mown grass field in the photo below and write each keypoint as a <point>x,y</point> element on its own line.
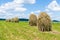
<point>22,31</point>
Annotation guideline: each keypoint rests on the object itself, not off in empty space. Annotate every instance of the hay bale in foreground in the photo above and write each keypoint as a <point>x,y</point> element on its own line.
<point>44,22</point>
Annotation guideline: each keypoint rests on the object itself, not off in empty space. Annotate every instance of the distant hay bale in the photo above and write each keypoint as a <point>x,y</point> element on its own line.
<point>8,20</point>
<point>15,19</point>
<point>12,19</point>
<point>33,20</point>
<point>44,22</point>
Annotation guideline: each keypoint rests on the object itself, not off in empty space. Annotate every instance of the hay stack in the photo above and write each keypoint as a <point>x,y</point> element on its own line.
<point>16,19</point>
<point>8,20</point>
<point>44,22</point>
<point>32,20</point>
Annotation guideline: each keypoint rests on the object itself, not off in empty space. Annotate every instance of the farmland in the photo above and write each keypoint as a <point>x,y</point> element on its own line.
<point>22,31</point>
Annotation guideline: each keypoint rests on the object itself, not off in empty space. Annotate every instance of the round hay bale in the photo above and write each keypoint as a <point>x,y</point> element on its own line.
<point>16,19</point>
<point>44,22</point>
<point>12,19</point>
<point>33,20</point>
<point>8,20</point>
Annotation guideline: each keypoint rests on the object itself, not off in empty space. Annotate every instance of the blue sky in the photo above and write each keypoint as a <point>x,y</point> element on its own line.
<point>23,8</point>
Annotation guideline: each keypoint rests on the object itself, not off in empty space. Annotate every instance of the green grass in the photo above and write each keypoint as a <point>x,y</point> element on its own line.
<point>56,26</point>
<point>22,31</point>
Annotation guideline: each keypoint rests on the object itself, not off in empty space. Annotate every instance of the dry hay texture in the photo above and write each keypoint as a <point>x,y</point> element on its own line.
<point>8,20</point>
<point>15,19</point>
<point>33,20</point>
<point>44,22</point>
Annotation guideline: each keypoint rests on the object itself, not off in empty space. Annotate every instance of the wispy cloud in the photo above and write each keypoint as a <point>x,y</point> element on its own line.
<point>54,6</point>
<point>16,6</point>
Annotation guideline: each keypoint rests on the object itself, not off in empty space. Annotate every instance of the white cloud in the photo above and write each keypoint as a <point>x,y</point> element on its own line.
<point>32,12</point>
<point>12,5</point>
<point>37,11</point>
<point>31,1</point>
<point>47,10</point>
<point>20,9</point>
<point>25,1</point>
<point>16,6</point>
<point>18,1</point>
<point>54,6</point>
